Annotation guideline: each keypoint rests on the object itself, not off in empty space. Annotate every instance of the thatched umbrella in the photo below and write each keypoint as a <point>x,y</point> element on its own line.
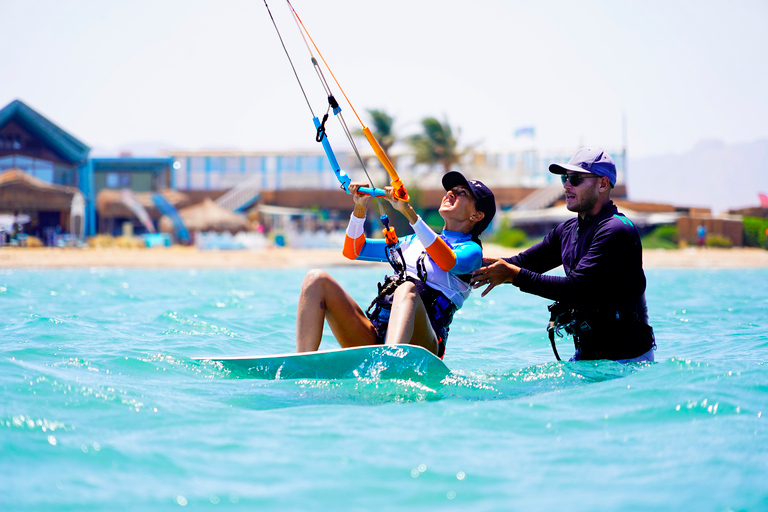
<point>109,202</point>
<point>20,191</point>
<point>207,216</point>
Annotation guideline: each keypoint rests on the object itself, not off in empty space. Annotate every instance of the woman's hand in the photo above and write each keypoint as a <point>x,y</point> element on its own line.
<point>402,206</point>
<point>361,200</point>
<point>494,272</point>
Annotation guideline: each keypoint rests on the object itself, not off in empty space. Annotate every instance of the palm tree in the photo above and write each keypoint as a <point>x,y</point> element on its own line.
<point>383,129</point>
<point>436,145</point>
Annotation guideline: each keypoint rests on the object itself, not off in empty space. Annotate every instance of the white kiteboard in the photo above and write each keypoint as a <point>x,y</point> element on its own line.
<point>376,361</point>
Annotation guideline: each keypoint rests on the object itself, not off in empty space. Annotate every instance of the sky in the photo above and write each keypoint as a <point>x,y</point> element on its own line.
<point>660,75</point>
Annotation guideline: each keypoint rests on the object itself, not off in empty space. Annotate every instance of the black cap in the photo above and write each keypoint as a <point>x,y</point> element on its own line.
<point>484,200</point>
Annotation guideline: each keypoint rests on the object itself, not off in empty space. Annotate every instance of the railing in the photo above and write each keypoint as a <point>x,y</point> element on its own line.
<point>541,198</point>
<point>242,194</point>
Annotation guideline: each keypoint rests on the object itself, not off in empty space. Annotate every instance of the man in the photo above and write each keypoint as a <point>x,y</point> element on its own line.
<point>601,298</point>
<point>701,235</point>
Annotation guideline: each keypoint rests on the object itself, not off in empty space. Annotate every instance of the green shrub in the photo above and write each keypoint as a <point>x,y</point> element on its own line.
<point>718,241</point>
<point>662,237</point>
<point>754,231</point>
<point>510,237</point>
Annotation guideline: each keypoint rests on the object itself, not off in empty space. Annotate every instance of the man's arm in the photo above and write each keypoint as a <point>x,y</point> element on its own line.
<point>540,258</point>
<point>602,270</point>
<point>543,256</point>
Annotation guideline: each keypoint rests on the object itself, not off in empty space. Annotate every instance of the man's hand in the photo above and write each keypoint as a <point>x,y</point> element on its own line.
<point>494,272</point>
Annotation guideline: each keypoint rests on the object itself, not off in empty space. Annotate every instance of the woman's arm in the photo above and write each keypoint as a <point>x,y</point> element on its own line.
<point>440,252</point>
<point>356,247</point>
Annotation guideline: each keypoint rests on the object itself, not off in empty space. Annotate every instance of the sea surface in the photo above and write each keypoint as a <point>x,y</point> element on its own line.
<point>102,406</point>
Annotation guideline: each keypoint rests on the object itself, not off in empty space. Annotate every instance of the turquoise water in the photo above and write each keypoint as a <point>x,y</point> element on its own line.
<point>103,408</point>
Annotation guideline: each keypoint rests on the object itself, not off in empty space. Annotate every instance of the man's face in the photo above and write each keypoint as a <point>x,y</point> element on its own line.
<point>584,196</point>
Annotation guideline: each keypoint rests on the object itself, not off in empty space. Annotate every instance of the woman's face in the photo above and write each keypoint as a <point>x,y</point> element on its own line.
<point>458,203</point>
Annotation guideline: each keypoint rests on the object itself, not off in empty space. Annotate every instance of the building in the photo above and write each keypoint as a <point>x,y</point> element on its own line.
<point>143,177</point>
<point>34,146</point>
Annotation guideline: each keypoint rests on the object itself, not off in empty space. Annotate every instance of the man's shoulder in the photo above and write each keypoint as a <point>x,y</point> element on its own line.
<point>620,217</point>
<point>618,220</point>
<point>619,225</point>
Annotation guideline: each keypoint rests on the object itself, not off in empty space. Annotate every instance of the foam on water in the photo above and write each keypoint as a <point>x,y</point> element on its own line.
<point>103,406</point>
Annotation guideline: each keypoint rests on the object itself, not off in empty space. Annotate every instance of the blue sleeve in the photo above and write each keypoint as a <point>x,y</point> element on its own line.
<point>376,249</point>
<point>469,257</point>
<point>373,250</point>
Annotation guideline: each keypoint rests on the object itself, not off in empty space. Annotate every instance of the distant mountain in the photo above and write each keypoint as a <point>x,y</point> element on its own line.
<point>711,175</point>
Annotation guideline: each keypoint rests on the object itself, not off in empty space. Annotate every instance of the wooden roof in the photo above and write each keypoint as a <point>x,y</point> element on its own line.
<point>20,191</point>
<point>67,146</point>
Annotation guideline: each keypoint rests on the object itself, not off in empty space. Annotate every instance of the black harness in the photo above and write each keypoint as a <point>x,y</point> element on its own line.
<point>611,334</point>
<point>440,309</point>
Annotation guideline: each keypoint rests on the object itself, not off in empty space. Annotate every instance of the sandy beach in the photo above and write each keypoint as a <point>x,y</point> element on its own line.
<point>190,257</point>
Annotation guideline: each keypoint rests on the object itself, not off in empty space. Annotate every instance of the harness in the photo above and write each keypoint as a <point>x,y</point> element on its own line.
<point>593,330</point>
<point>440,309</point>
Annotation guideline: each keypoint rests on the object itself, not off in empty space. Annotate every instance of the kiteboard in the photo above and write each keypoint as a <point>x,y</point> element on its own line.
<point>377,361</point>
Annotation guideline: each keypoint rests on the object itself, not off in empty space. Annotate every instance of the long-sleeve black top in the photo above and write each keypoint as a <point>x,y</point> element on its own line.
<point>603,262</point>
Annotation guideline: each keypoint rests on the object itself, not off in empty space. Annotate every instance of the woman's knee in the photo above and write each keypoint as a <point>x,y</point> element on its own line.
<point>316,278</point>
<point>406,291</point>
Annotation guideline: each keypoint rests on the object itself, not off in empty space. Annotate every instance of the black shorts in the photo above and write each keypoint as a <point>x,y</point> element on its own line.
<point>615,340</point>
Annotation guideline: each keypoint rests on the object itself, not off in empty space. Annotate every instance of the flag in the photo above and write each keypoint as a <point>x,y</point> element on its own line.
<point>763,200</point>
<point>525,131</point>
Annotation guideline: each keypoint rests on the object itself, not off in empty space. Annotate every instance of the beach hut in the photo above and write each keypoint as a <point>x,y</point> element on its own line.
<point>45,203</point>
<point>113,208</point>
<point>20,191</point>
<point>207,216</point>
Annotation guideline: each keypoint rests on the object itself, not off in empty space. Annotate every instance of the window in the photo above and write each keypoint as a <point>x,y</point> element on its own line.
<point>6,162</point>
<point>10,141</point>
<point>118,180</point>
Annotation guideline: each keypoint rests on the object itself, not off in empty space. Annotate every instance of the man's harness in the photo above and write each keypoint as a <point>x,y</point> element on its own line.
<point>564,317</point>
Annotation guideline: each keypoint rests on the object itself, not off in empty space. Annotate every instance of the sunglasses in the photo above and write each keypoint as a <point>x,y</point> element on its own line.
<point>576,179</point>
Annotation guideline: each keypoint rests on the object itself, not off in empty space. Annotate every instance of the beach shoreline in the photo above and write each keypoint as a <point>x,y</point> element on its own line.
<point>190,257</point>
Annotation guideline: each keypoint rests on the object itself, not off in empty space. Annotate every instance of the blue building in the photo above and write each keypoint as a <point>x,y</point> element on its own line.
<point>32,144</point>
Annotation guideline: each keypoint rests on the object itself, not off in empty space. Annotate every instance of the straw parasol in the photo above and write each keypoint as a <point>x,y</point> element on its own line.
<point>207,216</point>
<point>109,204</point>
<point>20,191</point>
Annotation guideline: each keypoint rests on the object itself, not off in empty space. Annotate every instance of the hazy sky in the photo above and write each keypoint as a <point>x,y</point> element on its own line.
<point>202,74</point>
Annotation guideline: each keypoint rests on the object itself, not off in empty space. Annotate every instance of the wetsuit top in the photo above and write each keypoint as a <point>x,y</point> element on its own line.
<point>603,262</point>
<point>449,255</point>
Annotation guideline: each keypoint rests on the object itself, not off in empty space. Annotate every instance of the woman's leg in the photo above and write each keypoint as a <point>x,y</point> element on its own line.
<point>323,298</point>
<point>408,320</point>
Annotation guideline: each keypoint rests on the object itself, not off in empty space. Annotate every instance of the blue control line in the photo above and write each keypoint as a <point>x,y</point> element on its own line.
<point>342,176</point>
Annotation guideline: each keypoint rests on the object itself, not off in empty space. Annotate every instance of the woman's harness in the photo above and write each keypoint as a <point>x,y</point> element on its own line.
<point>439,308</point>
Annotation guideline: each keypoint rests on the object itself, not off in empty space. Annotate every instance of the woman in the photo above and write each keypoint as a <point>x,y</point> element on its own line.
<point>416,305</point>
